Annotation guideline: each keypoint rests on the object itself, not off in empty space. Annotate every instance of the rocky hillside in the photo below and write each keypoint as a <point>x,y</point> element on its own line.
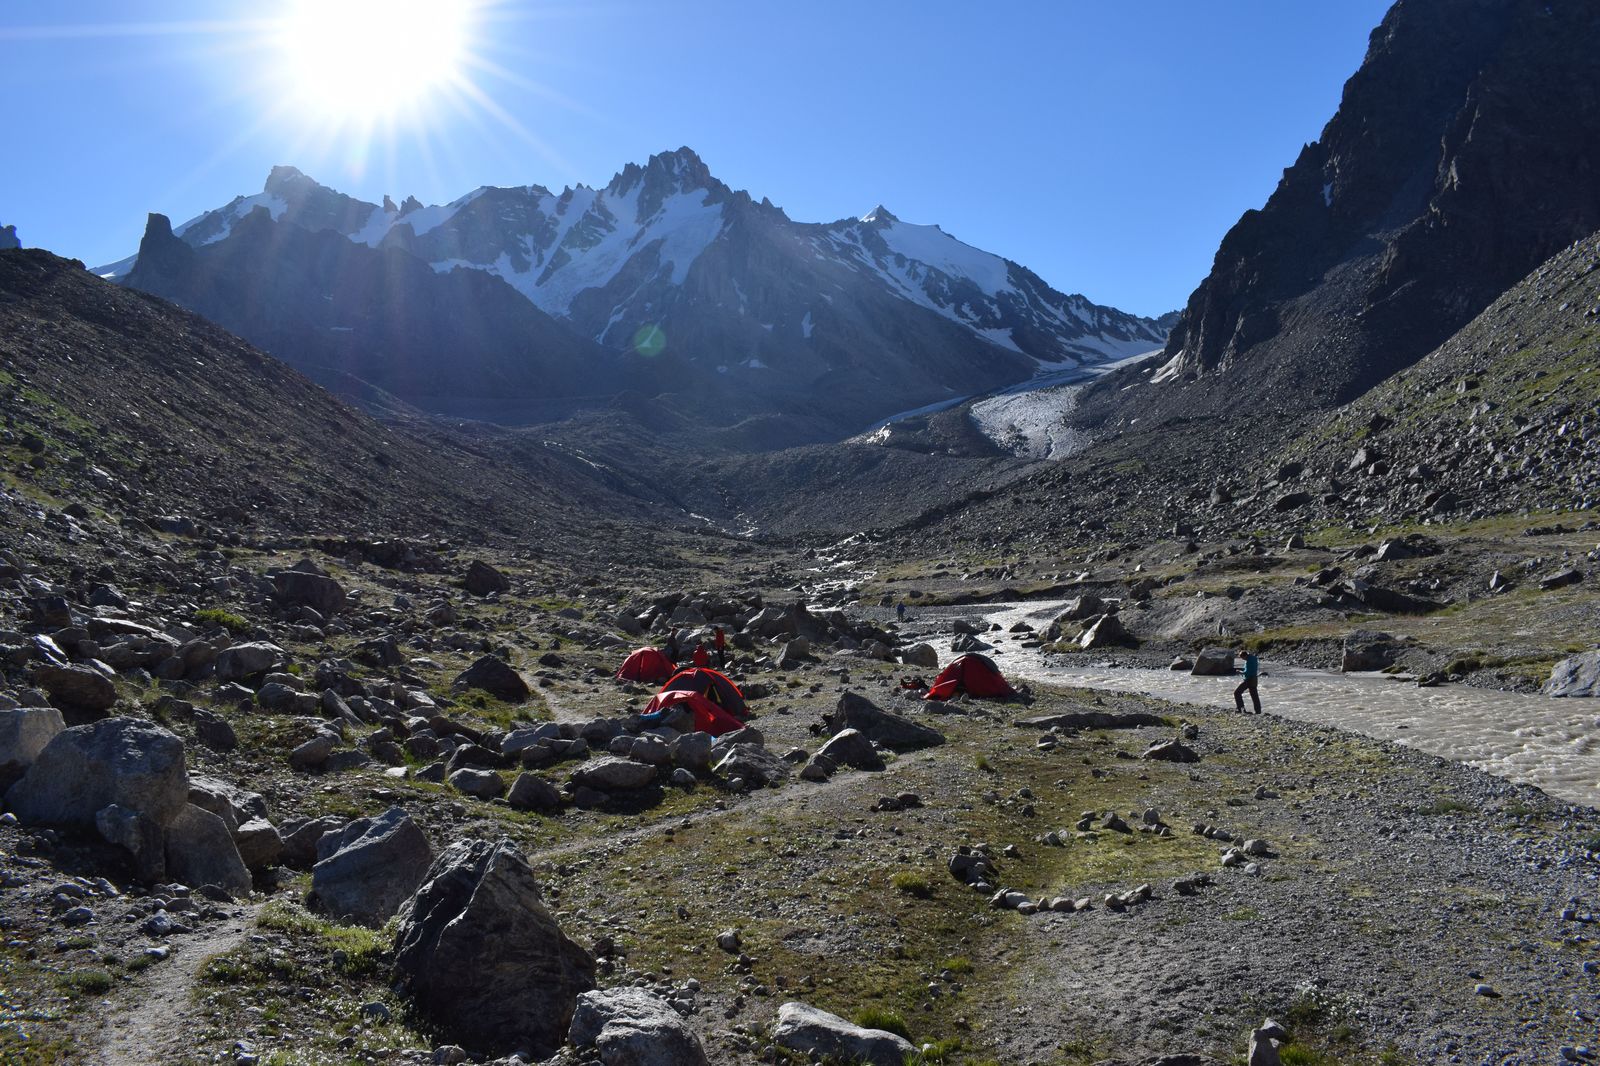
<point>118,403</point>
<point>688,286</point>
<point>1463,154</point>
<point>1504,415</point>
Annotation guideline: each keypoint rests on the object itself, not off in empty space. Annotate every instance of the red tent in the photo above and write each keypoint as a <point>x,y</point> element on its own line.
<point>646,664</point>
<point>976,675</point>
<point>711,684</point>
<point>708,717</point>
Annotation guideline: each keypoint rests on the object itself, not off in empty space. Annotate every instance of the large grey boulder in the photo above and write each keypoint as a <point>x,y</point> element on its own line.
<point>1081,609</point>
<point>24,732</point>
<point>632,1027</point>
<point>477,951</point>
<point>806,1029</point>
<point>897,733</point>
<point>301,836</point>
<point>370,867</point>
<point>259,842</point>
<point>234,805</point>
<point>240,661</point>
<point>305,586</point>
<point>1576,676</point>
<point>1107,632</point>
<point>483,579</point>
<point>77,688</point>
<point>612,774</point>
<point>126,761</point>
<point>200,851</point>
<point>923,655</point>
<point>756,767</point>
<point>496,678</point>
<point>530,792</point>
<point>850,747</point>
<point>1213,662</point>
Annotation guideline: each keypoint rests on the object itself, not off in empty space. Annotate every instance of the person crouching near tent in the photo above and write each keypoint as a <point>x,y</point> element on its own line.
<point>702,658</point>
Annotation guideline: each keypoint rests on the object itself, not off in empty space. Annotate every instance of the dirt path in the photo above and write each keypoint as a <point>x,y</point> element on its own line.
<point>1553,744</point>
<point>153,1024</point>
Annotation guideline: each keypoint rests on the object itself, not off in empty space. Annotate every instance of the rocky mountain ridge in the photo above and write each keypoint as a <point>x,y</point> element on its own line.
<point>1463,154</point>
<point>705,286</point>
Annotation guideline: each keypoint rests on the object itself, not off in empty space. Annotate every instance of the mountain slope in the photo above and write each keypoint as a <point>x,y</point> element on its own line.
<point>833,323</point>
<point>118,399</point>
<point>1465,151</point>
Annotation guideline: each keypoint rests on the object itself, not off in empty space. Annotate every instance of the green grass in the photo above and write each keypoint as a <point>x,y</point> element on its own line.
<point>364,949</point>
<point>960,964</point>
<point>216,616</point>
<point>85,982</point>
<point>1447,806</point>
<point>912,884</point>
<point>878,1018</point>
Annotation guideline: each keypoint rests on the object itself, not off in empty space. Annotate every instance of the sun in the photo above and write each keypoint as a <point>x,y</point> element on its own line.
<point>368,60</point>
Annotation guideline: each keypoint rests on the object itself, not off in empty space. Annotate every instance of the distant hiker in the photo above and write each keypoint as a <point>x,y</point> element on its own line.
<point>900,610</point>
<point>702,658</point>
<point>721,640</point>
<point>673,649</point>
<point>1252,670</point>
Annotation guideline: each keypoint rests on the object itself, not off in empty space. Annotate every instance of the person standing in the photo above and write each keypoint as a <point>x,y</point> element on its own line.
<point>900,610</point>
<point>673,649</point>
<point>1252,671</point>
<point>720,642</point>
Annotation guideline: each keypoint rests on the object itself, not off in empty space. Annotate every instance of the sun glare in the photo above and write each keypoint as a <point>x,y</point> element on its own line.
<point>366,60</point>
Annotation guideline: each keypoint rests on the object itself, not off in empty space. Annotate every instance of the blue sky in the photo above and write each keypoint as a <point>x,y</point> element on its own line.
<point>1107,145</point>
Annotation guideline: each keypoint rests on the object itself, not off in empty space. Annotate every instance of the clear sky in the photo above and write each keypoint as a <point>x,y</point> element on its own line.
<point>1107,145</point>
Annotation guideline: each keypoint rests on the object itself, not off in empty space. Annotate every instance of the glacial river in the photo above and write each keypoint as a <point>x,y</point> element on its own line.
<point>1551,743</point>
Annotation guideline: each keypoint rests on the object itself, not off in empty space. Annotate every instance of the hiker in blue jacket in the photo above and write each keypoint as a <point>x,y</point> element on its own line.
<point>1252,670</point>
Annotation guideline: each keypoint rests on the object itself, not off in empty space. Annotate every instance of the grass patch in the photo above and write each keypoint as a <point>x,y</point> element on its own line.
<point>85,982</point>
<point>363,950</point>
<point>216,616</point>
<point>878,1018</point>
<point>912,884</point>
<point>1447,806</point>
<point>960,964</point>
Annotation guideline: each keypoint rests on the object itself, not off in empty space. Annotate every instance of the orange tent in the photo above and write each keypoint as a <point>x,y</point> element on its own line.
<point>976,675</point>
<point>711,684</point>
<point>708,717</point>
<point>648,665</point>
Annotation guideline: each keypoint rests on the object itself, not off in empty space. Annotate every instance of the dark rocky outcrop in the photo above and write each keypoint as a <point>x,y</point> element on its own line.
<point>478,952</point>
<point>1464,153</point>
<point>893,731</point>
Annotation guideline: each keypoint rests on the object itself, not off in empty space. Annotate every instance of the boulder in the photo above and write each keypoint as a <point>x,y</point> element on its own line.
<point>300,837</point>
<point>692,751</point>
<point>496,678</point>
<point>815,1032</point>
<point>1170,751</point>
<point>24,732</point>
<point>850,747</point>
<point>610,773</point>
<point>756,767</point>
<point>632,1027</point>
<point>1108,632</point>
<point>1082,608</point>
<point>77,688</point>
<point>370,867</point>
<point>1560,579</point>
<point>483,579</point>
<point>1213,662</point>
<point>1575,676</point>
<point>200,851</point>
<point>259,843</point>
<point>239,661</point>
<point>1366,650</point>
<point>214,732</point>
<point>308,588</point>
<point>484,784</point>
<point>477,951</point>
<point>315,752</point>
<point>530,792</point>
<point>923,655</point>
<point>892,731</point>
<point>127,761</point>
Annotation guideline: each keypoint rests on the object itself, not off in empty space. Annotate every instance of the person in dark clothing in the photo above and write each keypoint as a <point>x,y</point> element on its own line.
<point>672,649</point>
<point>1252,670</point>
<point>900,610</point>
<point>720,641</point>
